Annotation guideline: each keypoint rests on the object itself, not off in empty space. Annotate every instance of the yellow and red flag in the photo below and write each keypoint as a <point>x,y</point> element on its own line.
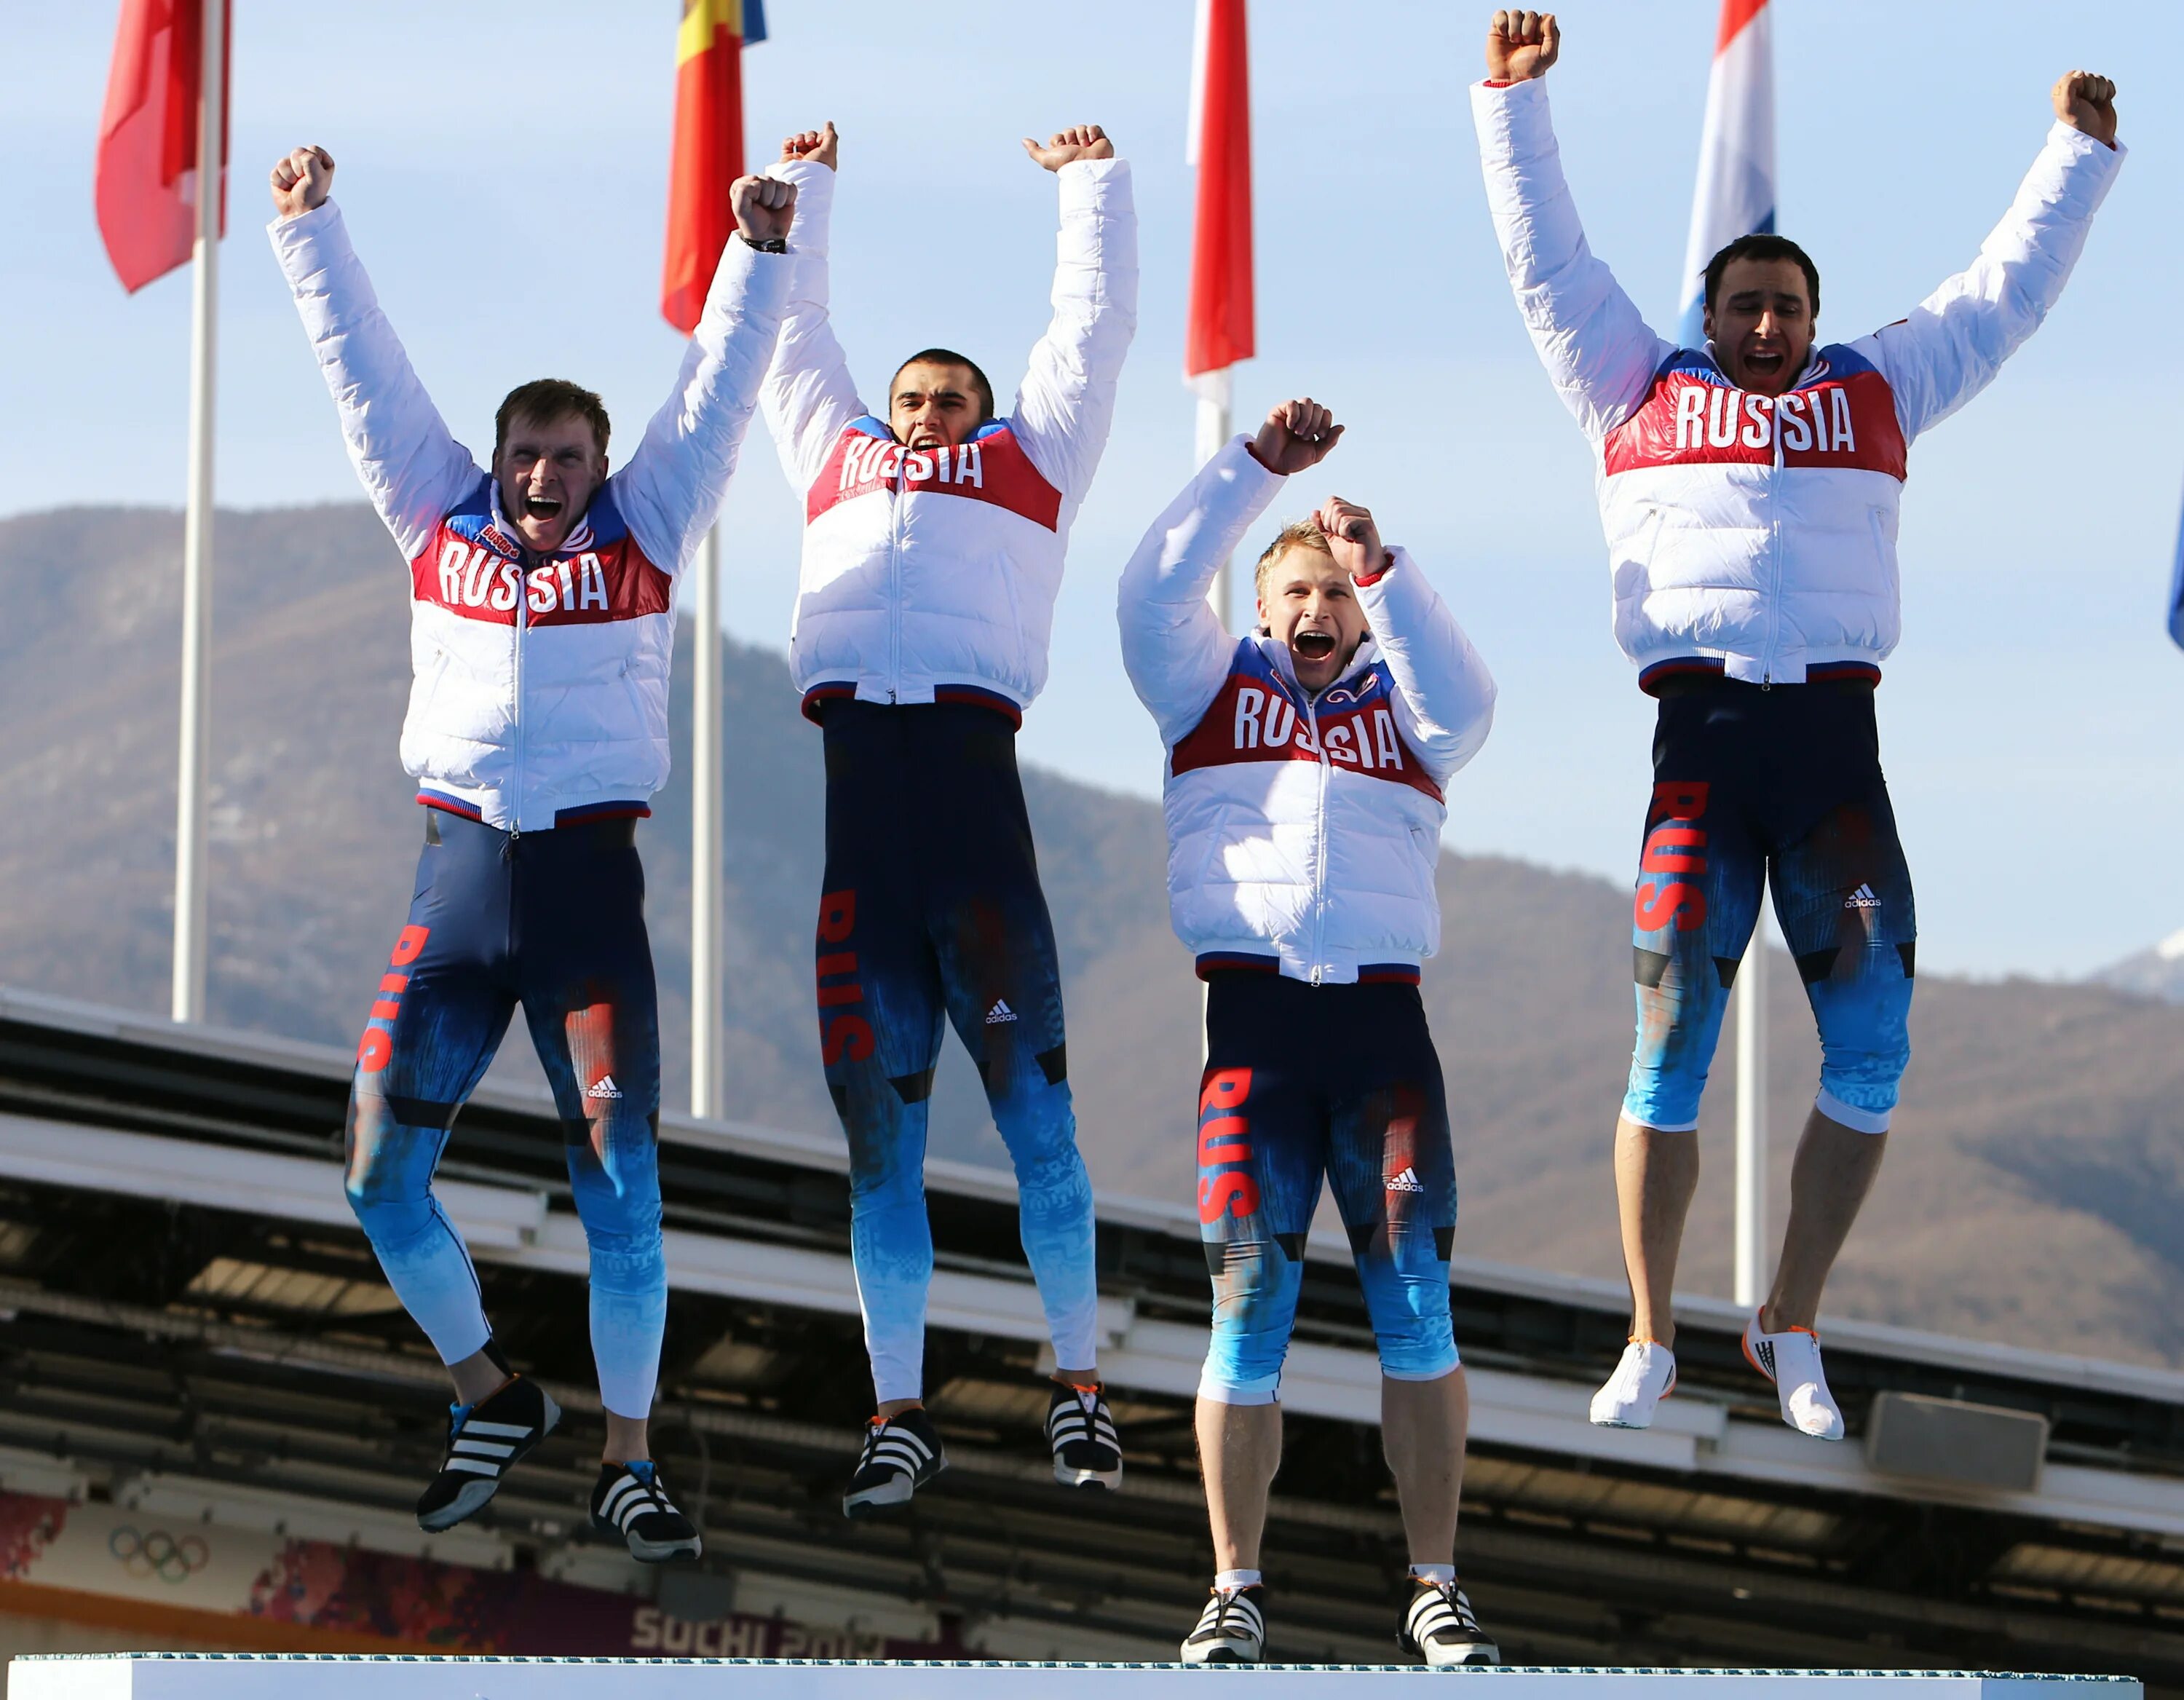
<point>708,154</point>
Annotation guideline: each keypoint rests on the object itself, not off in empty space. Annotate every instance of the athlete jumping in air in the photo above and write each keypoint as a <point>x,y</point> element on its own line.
<point>932,552</point>
<point>1749,491</point>
<point>1305,769</point>
<point>537,727</point>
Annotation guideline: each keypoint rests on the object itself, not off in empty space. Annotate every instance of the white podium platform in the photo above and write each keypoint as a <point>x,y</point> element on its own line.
<point>264,1677</point>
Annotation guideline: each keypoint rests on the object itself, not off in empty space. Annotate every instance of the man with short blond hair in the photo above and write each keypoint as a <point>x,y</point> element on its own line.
<point>1303,809</point>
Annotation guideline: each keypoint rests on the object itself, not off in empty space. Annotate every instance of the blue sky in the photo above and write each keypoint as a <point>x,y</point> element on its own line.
<point>503,169</point>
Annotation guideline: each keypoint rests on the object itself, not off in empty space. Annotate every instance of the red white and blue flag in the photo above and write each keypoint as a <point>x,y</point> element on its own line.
<point>1736,150</point>
<point>2176,591</point>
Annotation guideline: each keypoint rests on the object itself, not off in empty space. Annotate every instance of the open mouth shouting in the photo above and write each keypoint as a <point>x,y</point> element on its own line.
<point>542,507</point>
<point>1313,646</point>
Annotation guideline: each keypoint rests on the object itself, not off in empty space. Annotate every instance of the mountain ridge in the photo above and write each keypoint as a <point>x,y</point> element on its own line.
<point>2038,1159</point>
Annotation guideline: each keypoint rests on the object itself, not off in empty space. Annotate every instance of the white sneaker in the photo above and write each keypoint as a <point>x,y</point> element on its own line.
<point>1643,1378</point>
<point>1791,1361</point>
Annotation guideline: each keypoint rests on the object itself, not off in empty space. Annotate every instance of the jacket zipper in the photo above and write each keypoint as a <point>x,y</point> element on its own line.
<point>1774,549</point>
<point>894,593</point>
<point>1319,849</point>
<point>522,607</point>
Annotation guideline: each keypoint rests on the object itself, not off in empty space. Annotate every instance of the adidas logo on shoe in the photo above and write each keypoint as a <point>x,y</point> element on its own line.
<point>999,1013</point>
<point>1407,1181</point>
<point>603,1087</point>
<point>1862,898</point>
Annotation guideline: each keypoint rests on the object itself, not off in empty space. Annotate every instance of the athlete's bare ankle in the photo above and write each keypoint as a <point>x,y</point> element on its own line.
<point>1078,1378</point>
<point>477,1378</point>
<point>895,1407</point>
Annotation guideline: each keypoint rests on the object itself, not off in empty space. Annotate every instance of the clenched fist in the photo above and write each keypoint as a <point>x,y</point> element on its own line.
<point>821,145</point>
<point>1521,46</point>
<point>1080,142</point>
<point>763,207</point>
<point>302,179</point>
<point>2087,102</point>
<point>1353,538</point>
<point>1297,434</point>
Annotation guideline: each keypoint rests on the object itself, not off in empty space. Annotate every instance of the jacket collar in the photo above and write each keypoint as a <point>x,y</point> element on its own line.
<point>1277,657</point>
<point>504,539</point>
<point>1816,365</point>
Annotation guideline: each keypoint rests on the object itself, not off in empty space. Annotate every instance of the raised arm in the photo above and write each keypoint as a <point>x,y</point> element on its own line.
<point>1174,647</point>
<point>808,397</point>
<point>1590,335</point>
<point>672,487</point>
<point>1444,695</point>
<point>413,470</point>
<point>1063,411</point>
<point>1950,347</point>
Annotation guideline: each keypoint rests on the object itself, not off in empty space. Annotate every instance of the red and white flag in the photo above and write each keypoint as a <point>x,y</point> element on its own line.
<point>149,176</point>
<point>1221,332</point>
<point>1735,194</point>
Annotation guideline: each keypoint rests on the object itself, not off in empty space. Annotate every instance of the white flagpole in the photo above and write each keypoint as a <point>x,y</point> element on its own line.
<point>1751,1269</point>
<point>189,966</point>
<point>1216,404</point>
<point>707,1098</point>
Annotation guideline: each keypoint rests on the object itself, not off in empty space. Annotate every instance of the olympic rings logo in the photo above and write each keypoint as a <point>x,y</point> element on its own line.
<point>158,1554</point>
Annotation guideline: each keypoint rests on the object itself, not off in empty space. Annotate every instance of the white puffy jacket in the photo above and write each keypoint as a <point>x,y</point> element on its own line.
<point>934,578</point>
<point>1750,534</point>
<point>540,694</point>
<point>1303,831</point>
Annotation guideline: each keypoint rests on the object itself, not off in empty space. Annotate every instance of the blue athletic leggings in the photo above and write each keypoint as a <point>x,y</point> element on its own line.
<point>1783,786</point>
<point>931,911</point>
<point>554,921</point>
<point>1303,1081</point>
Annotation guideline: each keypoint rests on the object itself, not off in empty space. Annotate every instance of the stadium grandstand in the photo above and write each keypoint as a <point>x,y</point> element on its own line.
<point>215,1416</point>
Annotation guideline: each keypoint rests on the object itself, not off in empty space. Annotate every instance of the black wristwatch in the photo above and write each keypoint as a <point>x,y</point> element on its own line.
<point>776,245</point>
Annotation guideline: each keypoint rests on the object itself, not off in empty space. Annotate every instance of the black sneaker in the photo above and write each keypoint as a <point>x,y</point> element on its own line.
<point>1438,1627</point>
<point>630,1500</point>
<point>1081,1429</point>
<point>1232,1630</point>
<point>485,1441</point>
<point>901,1454</point>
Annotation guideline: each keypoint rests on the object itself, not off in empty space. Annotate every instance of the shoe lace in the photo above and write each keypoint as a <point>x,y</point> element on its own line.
<point>1452,1597</point>
<point>646,1474</point>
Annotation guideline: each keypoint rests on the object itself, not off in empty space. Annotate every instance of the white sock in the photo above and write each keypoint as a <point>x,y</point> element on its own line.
<point>1434,1573</point>
<point>1225,1579</point>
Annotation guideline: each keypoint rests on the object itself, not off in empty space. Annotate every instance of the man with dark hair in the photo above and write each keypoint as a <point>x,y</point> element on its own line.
<point>1762,246</point>
<point>1749,490</point>
<point>933,545</point>
<point>551,399</point>
<point>951,365</point>
<point>542,630</point>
